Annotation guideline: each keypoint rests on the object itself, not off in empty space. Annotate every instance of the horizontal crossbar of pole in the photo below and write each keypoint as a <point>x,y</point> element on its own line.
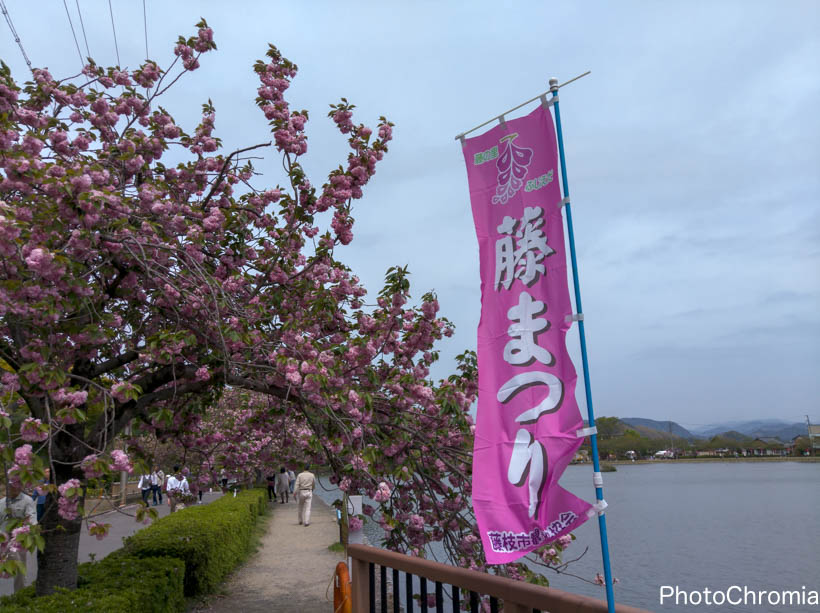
<point>515,108</point>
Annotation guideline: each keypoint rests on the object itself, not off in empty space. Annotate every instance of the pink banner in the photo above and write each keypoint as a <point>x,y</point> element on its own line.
<point>527,414</point>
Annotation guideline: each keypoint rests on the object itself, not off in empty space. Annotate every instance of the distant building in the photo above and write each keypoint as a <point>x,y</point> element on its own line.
<point>714,453</point>
<point>768,446</point>
<point>814,436</point>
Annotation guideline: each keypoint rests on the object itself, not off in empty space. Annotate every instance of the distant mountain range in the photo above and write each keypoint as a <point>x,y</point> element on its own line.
<point>758,428</point>
<point>666,427</point>
<point>737,430</point>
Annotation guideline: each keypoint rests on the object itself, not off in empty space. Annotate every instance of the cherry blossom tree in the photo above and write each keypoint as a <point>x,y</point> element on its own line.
<point>134,290</point>
<point>244,433</point>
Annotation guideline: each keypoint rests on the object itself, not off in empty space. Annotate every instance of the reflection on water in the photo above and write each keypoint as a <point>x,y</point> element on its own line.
<point>697,525</point>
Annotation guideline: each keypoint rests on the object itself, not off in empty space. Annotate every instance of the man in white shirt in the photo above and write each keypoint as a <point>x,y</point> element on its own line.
<point>157,483</point>
<point>176,485</point>
<point>17,505</point>
<point>145,484</point>
<point>305,482</point>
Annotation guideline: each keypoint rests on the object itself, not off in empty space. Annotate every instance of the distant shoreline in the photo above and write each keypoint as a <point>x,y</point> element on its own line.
<point>810,460</point>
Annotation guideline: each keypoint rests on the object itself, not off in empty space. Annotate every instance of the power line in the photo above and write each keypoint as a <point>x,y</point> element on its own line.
<point>145,27</point>
<point>14,34</point>
<point>77,44</point>
<point>82,25</point>
<point>114,30</point>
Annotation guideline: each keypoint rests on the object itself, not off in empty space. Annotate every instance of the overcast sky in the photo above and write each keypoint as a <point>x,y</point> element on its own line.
<point>693,152</point>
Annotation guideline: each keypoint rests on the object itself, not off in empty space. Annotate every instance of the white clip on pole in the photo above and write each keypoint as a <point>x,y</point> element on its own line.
<point>564,202</point>
<point>463,141</point>
<point>574,317</point>
<point>597,480</point>
<point>502,121</point>
<point>584,432</point>
<point>597,508</point>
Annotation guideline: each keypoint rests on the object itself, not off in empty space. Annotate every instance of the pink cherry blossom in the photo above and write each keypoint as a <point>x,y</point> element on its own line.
<point>23,455</point>
<point>33,430</point>
<point>181,294</point>
<point>120,461</point>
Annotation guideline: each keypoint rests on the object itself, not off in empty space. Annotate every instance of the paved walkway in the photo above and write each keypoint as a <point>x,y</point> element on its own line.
<point>291,571</point>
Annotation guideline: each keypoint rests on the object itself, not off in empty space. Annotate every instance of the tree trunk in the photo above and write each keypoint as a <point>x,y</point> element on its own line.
<point>57,564</point>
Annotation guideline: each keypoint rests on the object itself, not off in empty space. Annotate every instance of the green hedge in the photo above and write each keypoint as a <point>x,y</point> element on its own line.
<point>116,584</point>
<point>184,554</point>
<point>211,539</point>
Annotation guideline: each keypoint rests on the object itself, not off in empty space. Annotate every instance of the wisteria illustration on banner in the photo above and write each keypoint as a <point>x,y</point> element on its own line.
<point>527,414</point>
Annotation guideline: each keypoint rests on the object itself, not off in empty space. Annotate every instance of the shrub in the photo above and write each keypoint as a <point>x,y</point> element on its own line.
<point>211,540</point>
<point>184,554</point>
<point>116,584</point>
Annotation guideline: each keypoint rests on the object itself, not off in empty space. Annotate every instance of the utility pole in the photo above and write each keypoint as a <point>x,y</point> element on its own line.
<point>124,475</point>
<point>344,524</point>
<point>811,435</point>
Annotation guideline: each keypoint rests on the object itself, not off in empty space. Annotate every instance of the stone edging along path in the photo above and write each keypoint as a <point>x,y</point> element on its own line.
<point>291,572</point>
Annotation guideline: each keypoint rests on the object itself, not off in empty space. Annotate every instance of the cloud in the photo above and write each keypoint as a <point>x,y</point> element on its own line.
<point>692,159</point>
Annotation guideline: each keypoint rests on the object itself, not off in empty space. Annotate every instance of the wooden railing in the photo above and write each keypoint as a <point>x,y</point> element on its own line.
<point>464,586</point>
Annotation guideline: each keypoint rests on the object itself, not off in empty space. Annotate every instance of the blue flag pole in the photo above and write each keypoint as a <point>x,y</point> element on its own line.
<point>593,438</point>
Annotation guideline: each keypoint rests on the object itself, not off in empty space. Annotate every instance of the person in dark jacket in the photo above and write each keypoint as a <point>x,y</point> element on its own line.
<point>271,481</point>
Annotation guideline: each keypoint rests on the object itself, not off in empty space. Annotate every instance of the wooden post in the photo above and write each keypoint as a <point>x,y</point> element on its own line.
<point>345,525</point>
<point>360,585</point>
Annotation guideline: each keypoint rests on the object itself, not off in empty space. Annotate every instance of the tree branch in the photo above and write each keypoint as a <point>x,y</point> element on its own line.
<point>224,169</point>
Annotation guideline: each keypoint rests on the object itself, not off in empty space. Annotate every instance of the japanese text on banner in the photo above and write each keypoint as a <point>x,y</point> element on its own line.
<point>527,415</point>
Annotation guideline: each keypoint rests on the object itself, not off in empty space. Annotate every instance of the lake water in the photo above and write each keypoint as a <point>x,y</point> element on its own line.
<point>699,525</point>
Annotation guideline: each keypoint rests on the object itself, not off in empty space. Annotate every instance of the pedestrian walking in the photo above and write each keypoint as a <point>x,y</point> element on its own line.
<point>17,505</point>
<point>41,494</point>
<point>145,485</point>
<point>283,485</point>
<point>291,480</point>
<point>270,479</point>
<point>177,489</point>
<point>304,485</point>
<point>160,484</point>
